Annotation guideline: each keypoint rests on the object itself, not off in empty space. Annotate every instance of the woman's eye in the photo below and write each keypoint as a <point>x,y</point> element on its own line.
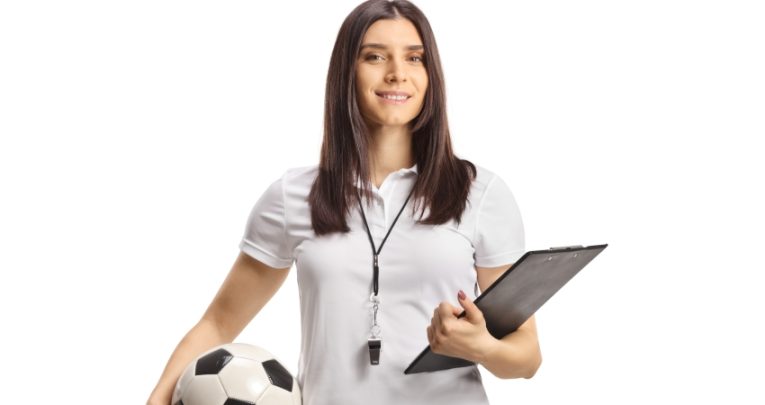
<point>374,57</point>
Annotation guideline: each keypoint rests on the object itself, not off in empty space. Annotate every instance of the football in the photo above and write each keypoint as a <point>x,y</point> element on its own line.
<point>236,374</point>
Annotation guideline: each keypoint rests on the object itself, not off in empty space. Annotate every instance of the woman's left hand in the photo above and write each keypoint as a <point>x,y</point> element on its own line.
<point>465,337</point>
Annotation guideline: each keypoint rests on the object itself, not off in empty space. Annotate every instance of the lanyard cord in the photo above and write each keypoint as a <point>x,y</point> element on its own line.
<point>376,269</point>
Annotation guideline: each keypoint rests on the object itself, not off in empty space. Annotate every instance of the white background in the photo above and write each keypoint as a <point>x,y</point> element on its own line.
<point>136,136</point>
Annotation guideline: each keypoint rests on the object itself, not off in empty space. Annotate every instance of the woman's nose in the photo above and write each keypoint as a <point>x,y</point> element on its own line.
<point>397,71</point>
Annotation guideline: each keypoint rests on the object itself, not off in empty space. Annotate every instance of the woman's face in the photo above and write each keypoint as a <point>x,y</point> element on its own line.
<point>391,62</point>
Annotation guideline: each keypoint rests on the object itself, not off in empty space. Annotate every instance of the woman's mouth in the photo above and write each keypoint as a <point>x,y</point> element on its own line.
<point>393,99</point>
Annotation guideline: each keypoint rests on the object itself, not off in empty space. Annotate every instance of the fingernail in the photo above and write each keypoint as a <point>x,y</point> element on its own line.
<point>461,294</point>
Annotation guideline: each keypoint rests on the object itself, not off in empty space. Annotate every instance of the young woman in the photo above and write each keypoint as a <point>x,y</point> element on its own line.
<point>376,279</point>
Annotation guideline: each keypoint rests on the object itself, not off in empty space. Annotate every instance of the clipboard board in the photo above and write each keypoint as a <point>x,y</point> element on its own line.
<point>516,295</point>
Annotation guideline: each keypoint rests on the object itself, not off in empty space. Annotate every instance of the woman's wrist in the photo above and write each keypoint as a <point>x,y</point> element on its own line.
<point>487,349</point>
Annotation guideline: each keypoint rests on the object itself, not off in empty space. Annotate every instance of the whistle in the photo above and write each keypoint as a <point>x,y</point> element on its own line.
<point>375,344</point>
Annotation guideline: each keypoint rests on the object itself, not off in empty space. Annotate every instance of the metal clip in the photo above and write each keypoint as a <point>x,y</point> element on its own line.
<point>374,298</point>
<point>567,247</point>
<point>375,307</point>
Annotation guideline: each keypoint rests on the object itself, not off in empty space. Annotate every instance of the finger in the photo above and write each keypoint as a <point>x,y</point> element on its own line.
<point>432,328</point>
<point>442,319</point>
<point>431,339</point>
<point>472,312</point>
<point>445,310</point>
<point>436,321</point>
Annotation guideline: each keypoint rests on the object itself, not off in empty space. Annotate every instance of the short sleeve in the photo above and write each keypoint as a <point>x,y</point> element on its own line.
<point>265,236</point>
<point>499,236</point>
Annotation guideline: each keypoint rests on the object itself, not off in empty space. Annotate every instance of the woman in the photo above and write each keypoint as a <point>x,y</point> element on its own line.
<point>375,278</point>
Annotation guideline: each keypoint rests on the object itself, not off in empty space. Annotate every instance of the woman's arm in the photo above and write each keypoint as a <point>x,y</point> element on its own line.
<point>248,287</point>
<point>204,335</point>
<point>516,354</point>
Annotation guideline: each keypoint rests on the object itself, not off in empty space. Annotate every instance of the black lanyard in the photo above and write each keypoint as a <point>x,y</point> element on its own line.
<point>376,252</point>
<point>375,342</point>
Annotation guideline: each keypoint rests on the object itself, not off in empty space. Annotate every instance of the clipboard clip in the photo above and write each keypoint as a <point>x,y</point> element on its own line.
<point>567,247</point>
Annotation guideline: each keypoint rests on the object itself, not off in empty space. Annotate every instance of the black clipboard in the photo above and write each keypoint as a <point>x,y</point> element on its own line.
<point>516,295</point>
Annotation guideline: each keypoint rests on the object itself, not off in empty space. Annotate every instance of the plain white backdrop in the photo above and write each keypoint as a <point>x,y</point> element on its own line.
<point>136,136</point>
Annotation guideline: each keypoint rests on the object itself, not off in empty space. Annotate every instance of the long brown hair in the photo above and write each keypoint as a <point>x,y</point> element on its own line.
<point>443,180</point>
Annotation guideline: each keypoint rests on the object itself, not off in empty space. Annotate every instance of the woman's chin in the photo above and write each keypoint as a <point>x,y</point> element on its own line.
<point>394,121</point>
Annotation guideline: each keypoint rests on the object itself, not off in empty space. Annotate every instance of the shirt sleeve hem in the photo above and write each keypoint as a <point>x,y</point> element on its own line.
<point>499,259</point>
<point>264,256</point>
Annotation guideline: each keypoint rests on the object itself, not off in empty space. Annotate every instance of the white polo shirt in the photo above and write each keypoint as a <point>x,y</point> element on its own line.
<point>420,266</point>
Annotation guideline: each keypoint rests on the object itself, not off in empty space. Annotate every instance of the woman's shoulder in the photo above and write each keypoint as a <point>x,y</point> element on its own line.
<point>483,178</point>
<point>490,183</point>
<point>299,173</point>
<point>298,180</point>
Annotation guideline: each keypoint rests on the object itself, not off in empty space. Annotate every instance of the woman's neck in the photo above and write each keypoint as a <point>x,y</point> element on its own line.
<point>390,150</point>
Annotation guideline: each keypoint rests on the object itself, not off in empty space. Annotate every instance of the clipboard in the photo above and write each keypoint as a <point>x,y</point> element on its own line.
<point>516,295</point>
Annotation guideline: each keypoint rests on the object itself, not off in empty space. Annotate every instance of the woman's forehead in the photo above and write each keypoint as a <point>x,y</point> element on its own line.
<point>398,33</point>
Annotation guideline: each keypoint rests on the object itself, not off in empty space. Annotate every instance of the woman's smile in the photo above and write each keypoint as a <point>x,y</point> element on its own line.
<point>393,99</point>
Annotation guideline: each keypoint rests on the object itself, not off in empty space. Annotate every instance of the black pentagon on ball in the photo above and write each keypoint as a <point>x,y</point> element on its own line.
<point>213,363</point>
<point>232,401</point>
<point>278,375</point>
<point>180,402</point>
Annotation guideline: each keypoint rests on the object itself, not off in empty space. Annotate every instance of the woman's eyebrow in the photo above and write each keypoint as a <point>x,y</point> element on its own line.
<point>381,46</point>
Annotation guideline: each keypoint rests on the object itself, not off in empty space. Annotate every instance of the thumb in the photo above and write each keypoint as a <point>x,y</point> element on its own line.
<point>472,312</point>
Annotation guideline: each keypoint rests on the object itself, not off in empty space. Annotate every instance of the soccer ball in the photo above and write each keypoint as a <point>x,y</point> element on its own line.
<point>236,374</point>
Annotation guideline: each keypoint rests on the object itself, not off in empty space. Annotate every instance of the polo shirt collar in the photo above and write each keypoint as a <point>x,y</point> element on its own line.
<point>405,170</point>
<point>412,169</point>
